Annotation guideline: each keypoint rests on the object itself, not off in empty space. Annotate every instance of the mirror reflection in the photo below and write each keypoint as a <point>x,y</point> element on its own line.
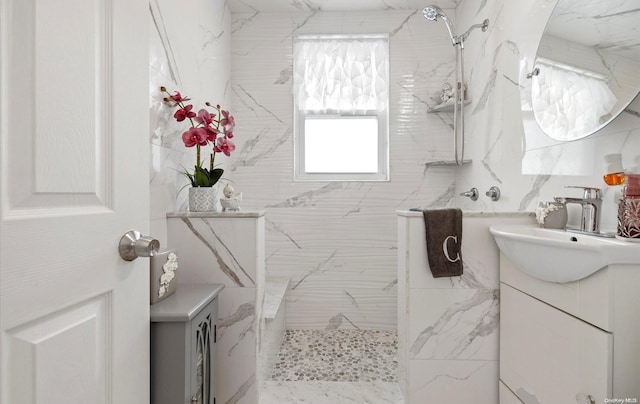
<point>587,68</point>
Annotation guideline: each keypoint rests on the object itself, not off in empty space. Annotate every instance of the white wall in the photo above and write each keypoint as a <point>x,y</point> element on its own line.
<point>448,328</point>
<point>338,241</point>
<point>190,48</point>
<point>496,139</point>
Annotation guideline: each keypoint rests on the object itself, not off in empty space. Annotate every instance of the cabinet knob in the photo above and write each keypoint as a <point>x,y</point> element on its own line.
<point>583,398</point>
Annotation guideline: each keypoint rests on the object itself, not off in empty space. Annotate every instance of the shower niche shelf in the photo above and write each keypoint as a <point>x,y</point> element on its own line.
<point>446,163</point>
<point>445,107</point>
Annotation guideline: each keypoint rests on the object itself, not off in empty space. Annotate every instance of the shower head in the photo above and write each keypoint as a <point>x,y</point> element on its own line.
<point>432,13</point>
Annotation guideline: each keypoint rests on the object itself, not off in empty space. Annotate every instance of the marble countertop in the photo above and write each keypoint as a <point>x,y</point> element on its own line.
<point>467,213</point>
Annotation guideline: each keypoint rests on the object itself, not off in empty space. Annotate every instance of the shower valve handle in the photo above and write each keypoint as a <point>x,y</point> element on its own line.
<point>472,194</point>
<point>493,193</point>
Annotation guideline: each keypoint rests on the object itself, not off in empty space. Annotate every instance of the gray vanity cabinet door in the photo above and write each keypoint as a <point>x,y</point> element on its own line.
<point>203,352</point>
<point>183,351</point>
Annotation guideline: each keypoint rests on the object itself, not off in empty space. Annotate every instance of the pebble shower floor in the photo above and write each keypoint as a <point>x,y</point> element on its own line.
<point>338,356</point>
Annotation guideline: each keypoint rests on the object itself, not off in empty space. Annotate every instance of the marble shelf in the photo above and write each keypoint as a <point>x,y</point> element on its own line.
<point>445,107</point>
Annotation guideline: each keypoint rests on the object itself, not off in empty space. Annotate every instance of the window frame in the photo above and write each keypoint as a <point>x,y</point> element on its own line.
<point>382,115</point>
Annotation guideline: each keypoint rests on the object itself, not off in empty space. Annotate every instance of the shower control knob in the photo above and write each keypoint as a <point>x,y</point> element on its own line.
<point>493,193</point>
<point>472,194</point>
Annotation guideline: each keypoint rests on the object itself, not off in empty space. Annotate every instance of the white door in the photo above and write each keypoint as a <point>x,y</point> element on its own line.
<point>74,316</point>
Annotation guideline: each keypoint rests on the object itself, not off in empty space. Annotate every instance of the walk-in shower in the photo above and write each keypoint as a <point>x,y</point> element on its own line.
<point>432,13</point>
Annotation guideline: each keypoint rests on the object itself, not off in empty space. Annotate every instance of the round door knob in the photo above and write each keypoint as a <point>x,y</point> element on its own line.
<point>133,245</point>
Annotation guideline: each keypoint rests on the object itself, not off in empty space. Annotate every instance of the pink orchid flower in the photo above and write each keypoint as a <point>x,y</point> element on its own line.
<point>228,122</point>
<point>195,136</point>
<point>177,97</point>
<point>207,128</point>
<point>212,133</point>
<point>204,117</point>
<point>184,113</point>
<point>224,145</point>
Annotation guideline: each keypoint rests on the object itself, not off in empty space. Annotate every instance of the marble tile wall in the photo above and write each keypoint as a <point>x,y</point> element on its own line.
<point>189,52</point>
<point>273,327</point>
<point>227,248</point>
<point>337,241</point>
<point>448,327</point>
<point>528,170</point>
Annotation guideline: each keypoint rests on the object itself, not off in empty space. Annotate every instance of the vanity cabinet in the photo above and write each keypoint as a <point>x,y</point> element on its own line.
<point>576,342</point>
<point>555,347</point>
<point>183,350</point>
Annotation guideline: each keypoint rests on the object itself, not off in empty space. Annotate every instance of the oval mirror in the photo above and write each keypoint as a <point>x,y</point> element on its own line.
<point>587,67</point>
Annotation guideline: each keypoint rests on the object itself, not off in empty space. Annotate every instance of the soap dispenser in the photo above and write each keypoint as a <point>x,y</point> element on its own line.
<point>614,173</point>
<point>629,209</point>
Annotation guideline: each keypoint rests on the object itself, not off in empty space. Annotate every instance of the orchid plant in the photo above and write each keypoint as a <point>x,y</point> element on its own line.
<point>207,128</point>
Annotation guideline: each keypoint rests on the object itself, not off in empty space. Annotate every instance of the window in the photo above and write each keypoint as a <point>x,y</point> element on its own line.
<point>341,92</point>
<point>570,102</point>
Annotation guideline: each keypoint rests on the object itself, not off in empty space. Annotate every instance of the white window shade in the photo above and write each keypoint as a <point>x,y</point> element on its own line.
<point>567,102</point>
<point>341,73</point>
<point>341,99</point>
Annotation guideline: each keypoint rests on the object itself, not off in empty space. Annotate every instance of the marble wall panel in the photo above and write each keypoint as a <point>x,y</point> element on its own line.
<point>227,248</point>
<point>448,327</point>
<point>189,52</point>
<point>237,381</point>
<point>496,140</point>
<point>215,250</point>
<point>337,241</point>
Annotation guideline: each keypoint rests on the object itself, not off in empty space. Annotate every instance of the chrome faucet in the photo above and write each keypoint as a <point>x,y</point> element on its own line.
<point>591,204</point>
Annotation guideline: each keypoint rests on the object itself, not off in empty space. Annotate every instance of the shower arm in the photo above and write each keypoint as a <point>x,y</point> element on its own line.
<point>484,26</point>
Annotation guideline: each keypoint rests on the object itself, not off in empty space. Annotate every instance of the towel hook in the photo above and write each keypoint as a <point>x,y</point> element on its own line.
<point>472,194</point>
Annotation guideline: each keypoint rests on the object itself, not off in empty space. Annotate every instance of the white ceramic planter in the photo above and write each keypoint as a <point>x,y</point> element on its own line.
<point>203,199</point>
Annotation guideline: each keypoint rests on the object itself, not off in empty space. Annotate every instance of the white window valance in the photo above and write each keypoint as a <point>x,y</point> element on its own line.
<point>344,74</point>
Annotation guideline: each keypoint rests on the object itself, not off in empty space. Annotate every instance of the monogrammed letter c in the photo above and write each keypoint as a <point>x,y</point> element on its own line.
<point>445,250</point>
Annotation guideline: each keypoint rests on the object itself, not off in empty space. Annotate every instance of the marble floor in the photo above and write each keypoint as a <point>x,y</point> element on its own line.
<point>335,366</point>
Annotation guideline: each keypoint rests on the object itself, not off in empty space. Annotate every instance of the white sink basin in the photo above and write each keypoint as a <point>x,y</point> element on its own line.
<point>560,256</point>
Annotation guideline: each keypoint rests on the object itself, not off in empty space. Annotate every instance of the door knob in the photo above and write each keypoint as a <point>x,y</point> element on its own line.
<point>133,245</point>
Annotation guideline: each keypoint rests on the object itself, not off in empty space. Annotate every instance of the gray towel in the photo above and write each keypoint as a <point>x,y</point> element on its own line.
<point>444,241</point>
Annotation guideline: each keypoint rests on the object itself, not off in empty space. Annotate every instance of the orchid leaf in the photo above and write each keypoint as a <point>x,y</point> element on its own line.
<point>215,174</point>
